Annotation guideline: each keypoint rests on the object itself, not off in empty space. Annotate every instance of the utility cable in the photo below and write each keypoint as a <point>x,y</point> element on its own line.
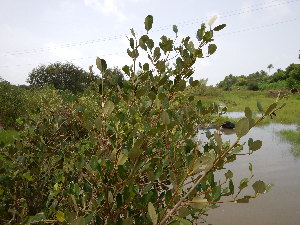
<point>124,53</point>
<point>185,23</point>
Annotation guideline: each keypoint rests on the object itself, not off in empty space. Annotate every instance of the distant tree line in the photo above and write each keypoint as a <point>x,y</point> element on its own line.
<point>281,79</point>
<point>47,82</point>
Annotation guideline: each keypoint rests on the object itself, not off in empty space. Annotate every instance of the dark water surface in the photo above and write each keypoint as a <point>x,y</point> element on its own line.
<point>273,163</point>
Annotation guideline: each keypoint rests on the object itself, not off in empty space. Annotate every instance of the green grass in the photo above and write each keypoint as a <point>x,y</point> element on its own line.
<point>238,100</point>
<point>8,136</point>
<point>293,137</point>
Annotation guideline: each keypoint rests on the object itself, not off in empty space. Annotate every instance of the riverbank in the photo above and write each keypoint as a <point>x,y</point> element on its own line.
<point>236,101</point>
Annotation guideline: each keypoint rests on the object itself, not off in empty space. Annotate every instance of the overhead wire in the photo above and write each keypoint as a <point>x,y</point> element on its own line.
<point>124,53</point>
<point>184,23</point>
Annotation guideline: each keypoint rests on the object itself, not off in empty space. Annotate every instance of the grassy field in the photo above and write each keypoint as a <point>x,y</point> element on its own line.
<point>294,138</point>
<point>237,101</point>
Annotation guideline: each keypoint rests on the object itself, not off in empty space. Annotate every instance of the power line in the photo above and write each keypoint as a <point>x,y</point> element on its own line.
<point>185,23</point>
<point>259,27</point>
<point>65,60</point>
<point>118,53</point>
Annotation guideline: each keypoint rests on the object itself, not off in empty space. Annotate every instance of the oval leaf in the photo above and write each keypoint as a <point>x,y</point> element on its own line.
<point>152,213</point>
<point>165,119</point>
<point>242,127</point>
<point>148,22</point>
<point>101,64</point>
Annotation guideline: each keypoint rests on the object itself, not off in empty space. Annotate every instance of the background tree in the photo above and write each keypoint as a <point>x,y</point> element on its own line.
<point>63,76</point>
<point>270,66</point>
<point>11,103</point>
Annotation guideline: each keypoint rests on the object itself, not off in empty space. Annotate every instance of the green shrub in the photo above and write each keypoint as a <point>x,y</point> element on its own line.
<point>127,155</point>
<point>11,104</point>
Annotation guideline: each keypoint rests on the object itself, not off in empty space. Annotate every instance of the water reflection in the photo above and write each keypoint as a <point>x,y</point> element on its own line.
<point>273,164</point>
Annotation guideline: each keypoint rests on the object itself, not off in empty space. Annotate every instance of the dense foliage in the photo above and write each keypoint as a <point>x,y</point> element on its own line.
<point>281,79</point>
<point>11,103</point>
<point>63,76</point>
<point>128,155</point>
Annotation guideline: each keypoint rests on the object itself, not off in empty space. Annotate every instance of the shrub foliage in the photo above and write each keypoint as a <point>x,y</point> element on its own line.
<point>128,155</point>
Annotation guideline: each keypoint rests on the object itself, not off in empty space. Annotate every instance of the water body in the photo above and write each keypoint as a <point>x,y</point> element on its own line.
<point>273,163</point>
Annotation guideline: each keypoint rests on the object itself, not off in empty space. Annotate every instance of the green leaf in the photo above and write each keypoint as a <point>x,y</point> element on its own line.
<point>204,163</point>
<point>122,158</point>
<point>259,106</point>
<point>231,187</point>
<point>98,123</point>
<point>198,203</point>
<point>242,127</point>
<point>108,107</point>
<point>271,108</point>
<point>126,70</point>
<point>150,43</point>
<point>131,43</point>
<point>27,176</point>
<point>166,44</point>
<point>165,119</point>
<point>236,150</point>
<point>180,86</point>
<point>254,145</point>
<point>243,183</point>
<point>132,32</point>
<point>152,213</point>
<point>39,217</point>
<point>200,32</point>
<point>259,187</point>
<point>228,174</point>
<point>248,112</point>
<point>148,22</point>
<point>216,193</point>
<point>79,221</point>
<point>220,27</point>
<point>179,63</point>
<point>218,139</point>
<point>60,216</point>
<point>156,53</point>
<point>128,221</point>
<point>175,29</point>
<point>182,221</point>
<point>101,64</point>
<point>243,200</point>
<point>268,188</point>
<point>184,212</point>
<point>212,49</point>
<point>250,167</point>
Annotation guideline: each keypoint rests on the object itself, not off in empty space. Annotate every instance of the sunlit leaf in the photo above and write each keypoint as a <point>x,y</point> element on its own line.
<point>165,119</point>
<point>152,213</point>
<point>108,107</point>
<point>101,64</point>
<point>182,220</point>
<point>60,216</point>
<point>198,203</point>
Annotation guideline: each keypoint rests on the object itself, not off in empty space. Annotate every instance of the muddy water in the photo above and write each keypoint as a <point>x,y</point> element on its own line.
<point>272,164</point>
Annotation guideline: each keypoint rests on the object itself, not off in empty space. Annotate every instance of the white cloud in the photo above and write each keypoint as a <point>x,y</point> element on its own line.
<point>107,7</point>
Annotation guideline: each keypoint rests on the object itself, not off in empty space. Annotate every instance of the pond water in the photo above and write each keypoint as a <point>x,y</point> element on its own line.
<point>273,163</point>
<point>236,115</point>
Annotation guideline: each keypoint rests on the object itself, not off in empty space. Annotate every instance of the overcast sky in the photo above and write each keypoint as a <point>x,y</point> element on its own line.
<point>34,32</point>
